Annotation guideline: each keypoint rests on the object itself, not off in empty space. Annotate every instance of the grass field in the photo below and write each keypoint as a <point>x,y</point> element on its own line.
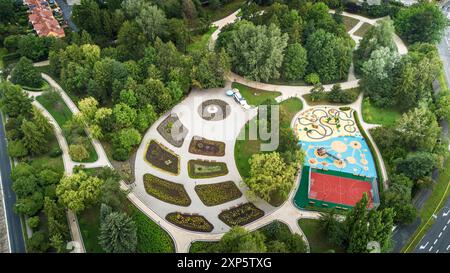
<point>291,107</point>
<point>245,148</point>
<point>362,29</point>
<point>201,41</point>
<point>3,51</point>
<point>316,237</point>
<point>375,115</point>
<point>349,22</point>
<point>62,114</point>
<point>151,237</point>
<point>225,10</point>
<point>255,96</point>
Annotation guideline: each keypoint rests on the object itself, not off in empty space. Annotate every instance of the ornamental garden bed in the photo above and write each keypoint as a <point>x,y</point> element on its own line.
<point>241,215</point>
<point>172,130</point>
<point>203,146</point>
<point>162,158</point>
<point>170,192</point>
<point>206,169</point>
<point>219,193</point>
<point>192,222</point>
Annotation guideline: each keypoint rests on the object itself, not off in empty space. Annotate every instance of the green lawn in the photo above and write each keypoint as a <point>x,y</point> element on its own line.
<point>3,51</point>
<point>375,115</point>
<point>225,10</point>
<point>89,222</point>
<point>316,237</point>
<point>362,29</point>
<point>440,193</point>
<point>45,161</point>
<point>291,107</point>
<point>349,22</point>
<point>255,96</point>
<point>62,114</point>
<point>245,148</point>
<point>151,237</point>
<point>201,41</point>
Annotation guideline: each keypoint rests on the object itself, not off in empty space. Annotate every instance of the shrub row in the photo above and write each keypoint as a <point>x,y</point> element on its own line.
<point>241,215</point>
<point>190,222</point>
<point>219,193</point>
<point>372,150</point>
<point>170,192</point>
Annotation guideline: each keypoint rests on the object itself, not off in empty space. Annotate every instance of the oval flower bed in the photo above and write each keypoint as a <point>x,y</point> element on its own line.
<point>166,191</point>
<point>190,221</point>
<point>162,158</point>
<point>219,193</point>
<point>203,146</point>
<point>241,215</point>
<point>206,169</point>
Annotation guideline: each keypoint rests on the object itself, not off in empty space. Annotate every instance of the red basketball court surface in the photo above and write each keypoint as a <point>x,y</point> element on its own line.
<point>338,190</point>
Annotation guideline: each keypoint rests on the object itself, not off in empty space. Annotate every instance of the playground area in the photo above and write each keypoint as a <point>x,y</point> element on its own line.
<point>339,167</point>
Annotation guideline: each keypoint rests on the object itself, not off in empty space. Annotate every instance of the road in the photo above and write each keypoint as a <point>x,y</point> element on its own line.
<point>67,13</point>
<point>13,220</point>
<point>437,239</point>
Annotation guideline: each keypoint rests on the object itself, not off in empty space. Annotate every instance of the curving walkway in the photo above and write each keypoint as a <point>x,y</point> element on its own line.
<point>286,213</point>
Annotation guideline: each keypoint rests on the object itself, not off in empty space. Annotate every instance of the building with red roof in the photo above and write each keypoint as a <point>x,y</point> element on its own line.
<point>42,19</point>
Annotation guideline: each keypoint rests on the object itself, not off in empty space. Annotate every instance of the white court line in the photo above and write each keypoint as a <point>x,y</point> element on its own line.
<point>445,228</point>
<point>431,248</point>
<point>440,234</point>
<point>447,247</point>
<point>435,241</point>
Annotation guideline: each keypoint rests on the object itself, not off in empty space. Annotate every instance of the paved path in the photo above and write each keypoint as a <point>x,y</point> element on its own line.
<point>286,213</point>
<point>183,238</point>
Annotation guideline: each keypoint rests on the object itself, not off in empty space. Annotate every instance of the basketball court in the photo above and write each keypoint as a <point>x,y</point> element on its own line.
<point>337,189</point>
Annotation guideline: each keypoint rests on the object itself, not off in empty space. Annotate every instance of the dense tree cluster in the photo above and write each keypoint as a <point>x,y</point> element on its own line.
<point>273,238</point>
<point>289,41</point>
<point>390,79</point>
<point>140,76</point>
<point>422,22</point>
<point>363,230</point>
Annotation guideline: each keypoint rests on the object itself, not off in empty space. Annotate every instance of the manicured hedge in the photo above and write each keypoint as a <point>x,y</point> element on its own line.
<point>241,215</point>
<point>206,169</point>
<point>372,150</point>
<point>166,191</point>
<point>190,222</point>
<point>158,155</point>
<point>219,193</point>
<point>203,146</point>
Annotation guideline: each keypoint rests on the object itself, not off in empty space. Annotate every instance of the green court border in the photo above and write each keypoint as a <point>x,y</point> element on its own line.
<point>301,199</point>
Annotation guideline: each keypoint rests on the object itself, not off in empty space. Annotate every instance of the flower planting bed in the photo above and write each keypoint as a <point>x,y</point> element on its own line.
<point>214,110</point>
<point>162,158</point>
<point>206,169</point>
<point>219,193</point>
<point>241,215</point>
<point>166,191</point>
<point>203,146</point>
<point>191,222</point>
<point>172,130</point>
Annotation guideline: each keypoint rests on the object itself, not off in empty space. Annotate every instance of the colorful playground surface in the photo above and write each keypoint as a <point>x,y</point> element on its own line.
<point>346,154</point>
<point>338,160</point>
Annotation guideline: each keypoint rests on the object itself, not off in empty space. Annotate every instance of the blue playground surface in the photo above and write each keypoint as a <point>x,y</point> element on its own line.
<point>349,154</point>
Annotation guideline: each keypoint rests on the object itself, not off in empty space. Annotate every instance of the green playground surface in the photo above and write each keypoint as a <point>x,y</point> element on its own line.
<point>301,199</point>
